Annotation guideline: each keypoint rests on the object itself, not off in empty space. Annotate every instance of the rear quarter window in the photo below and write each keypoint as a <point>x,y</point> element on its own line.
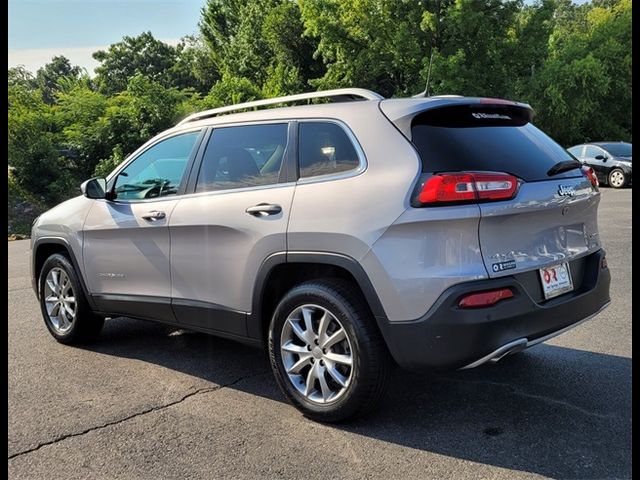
<point>486,138</point>
<point>325,149</point>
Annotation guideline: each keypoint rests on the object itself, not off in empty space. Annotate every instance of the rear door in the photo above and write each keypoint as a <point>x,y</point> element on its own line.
<point>235,218</point>
<point>552,219</point>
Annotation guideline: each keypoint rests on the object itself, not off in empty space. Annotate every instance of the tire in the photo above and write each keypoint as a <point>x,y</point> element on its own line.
<point>363,383</point>
<point>76,323</point>
<point>617,178</point>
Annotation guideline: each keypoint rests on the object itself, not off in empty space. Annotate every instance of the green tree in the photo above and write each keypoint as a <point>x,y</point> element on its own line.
<point>20,76</point>
<point>194,67</point>
<point>292,53</point>
<point>79,111</point>
<point>472,60</point>
<point>229,90</point>
<point>261,41</point>
<point>134,116</point>
<point>375,44</point>
<point>49,77</point>
<point>33,139</point>
<point>527,46</point>
<point>141,55</point>
<point>219,23</point>
<point>583,92</point>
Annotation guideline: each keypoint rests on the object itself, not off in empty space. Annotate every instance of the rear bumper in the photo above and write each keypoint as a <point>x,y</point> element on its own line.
<point>448,337</point>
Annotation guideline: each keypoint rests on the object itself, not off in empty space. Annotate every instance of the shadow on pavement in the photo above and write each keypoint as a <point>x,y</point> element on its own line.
<point>553,411</point>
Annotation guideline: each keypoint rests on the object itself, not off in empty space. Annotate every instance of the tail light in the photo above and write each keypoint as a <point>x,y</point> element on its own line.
<point>591,175</point>
<point>467,187</point>
<point>485,299</point>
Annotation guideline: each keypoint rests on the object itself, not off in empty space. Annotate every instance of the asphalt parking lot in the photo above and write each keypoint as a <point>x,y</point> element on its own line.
<point>149,401</point>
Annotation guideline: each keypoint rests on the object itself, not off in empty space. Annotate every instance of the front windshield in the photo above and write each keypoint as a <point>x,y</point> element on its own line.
<point>618,149</point>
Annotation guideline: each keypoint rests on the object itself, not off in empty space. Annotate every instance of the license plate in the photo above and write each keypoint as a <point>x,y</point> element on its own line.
<point>556,280</point>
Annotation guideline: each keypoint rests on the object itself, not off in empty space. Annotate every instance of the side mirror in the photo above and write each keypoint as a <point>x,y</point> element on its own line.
<point>94,188</point>
<point>600,157</point>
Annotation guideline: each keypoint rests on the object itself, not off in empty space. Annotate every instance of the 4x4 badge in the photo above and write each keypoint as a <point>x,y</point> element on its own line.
<point>566,190</point>
<point>502,266</point>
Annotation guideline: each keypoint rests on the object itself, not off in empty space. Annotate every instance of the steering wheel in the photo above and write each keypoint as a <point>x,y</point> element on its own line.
<point>163,184</point>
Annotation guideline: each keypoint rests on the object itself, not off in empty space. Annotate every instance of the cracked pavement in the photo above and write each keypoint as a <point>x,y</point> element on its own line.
<point>149,401</point>
<point>115,422</point>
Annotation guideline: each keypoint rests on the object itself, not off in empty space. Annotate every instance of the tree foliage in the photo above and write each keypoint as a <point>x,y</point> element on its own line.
<point>571,62</point>
<point>474,53</point>
<point>583,90</point>
<point>53,75</point>
<point>141,55</point>
<point>374,44</point>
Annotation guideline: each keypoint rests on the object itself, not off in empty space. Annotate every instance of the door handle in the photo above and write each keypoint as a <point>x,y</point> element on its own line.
<point>264,209</point>
<point>154,215</point>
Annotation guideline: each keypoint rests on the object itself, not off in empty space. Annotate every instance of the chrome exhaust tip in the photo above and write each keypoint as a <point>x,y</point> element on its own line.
<point>503,351</point>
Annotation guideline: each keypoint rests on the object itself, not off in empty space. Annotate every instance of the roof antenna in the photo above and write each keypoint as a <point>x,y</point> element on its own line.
<point>426,88</point>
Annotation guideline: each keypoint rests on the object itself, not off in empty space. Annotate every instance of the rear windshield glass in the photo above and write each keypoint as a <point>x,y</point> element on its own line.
<point>617,149</point>
<point>498,139</point>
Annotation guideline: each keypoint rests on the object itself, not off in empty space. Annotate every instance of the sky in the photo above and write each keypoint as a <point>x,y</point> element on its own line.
<point>41,29</point>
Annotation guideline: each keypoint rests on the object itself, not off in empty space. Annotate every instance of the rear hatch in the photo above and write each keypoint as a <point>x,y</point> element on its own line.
<point>548,217</point>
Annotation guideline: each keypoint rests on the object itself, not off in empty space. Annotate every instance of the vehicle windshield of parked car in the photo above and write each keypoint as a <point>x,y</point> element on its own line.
<point>618,149</point>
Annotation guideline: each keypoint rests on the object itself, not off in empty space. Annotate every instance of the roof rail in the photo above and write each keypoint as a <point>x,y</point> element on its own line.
<point>340,94</point>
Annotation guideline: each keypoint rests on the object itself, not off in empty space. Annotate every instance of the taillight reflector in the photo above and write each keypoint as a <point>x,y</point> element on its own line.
<point>485,299</point>
<point>591,175</point>
<point>467,187</point>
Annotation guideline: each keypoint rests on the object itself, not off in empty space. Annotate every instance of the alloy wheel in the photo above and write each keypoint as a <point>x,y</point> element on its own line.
<point>316,354</point>
<point>60,300</point>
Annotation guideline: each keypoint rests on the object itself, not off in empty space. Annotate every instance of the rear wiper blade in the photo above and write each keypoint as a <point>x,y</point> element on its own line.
<point>564,166</point>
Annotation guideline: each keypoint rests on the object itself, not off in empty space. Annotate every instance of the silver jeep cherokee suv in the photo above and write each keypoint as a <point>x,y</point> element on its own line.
<point>345,236</point>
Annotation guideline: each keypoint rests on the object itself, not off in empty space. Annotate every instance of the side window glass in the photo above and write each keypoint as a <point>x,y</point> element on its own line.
<point>158,171</point>
<point>576,151</point>
<point>324,148</point>
<point>246,156</point>
<point>591,152</point>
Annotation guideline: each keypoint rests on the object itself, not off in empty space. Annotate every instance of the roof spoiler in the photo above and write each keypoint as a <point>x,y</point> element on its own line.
<point>401,112</point>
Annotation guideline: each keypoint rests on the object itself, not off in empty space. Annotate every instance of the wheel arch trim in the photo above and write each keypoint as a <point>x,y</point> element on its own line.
<point>39,242</point>
<point>255,320</point>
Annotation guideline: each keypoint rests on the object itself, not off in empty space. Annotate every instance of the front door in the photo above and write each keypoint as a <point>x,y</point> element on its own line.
<point>235,218</point>
<point>126,245</point>
<point>599,165</point>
